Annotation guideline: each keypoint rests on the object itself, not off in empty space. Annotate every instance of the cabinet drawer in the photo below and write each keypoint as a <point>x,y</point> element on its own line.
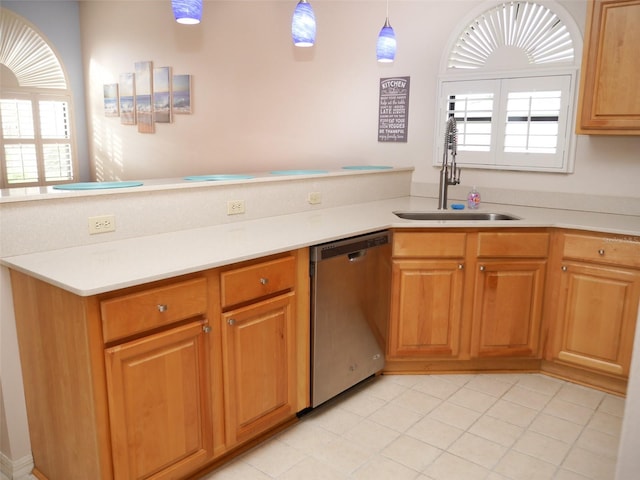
<point>613,249</point>
<point>429,244</point>
<point>135,313</point>
<point>513,244</point>
<point>255,281</point>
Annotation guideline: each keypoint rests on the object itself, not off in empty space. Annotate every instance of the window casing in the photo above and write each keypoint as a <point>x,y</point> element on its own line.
<point>509,80</point>
<point>36,112</point>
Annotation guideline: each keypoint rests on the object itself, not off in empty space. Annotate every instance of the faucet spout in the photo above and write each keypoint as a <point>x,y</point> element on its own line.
<point>449,173</point>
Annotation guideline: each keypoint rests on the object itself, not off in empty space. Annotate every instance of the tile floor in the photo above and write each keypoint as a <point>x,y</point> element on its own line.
<point>446,427</point>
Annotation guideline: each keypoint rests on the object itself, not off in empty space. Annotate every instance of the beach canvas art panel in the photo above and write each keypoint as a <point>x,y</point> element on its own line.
<point>144,91</point>
<point>111,108</point>
<point>181,94</point>
<point>127,99</point>
<point>162,94</point>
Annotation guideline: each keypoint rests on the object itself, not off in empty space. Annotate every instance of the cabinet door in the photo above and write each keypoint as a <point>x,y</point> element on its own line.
<point>609,101</point>
<point>259,366</point>
<point>507,308</point>
<point>426,308</point>
<point>159,404</point>
<point>597,312</point>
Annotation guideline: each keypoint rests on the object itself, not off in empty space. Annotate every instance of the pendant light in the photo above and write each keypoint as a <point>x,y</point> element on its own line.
<point>303,25</point>
<point>188,12</point>
<point>386,46</point>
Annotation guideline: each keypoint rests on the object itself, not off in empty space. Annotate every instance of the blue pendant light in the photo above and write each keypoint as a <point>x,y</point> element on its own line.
<point>188,12</point>
<point>303,25</point>
<point>386,46</point>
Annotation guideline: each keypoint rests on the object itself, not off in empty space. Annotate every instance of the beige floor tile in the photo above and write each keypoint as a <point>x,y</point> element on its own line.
<point>563,474</point>
<point>519,466</point>
<point>435,433</point>
<point>381,468</point>
<point>342,455</point>
<point>542,447</point>
<point>604,422</point>
<point>541,383</point>
<point>371,436</point>
<point>450,467</point>
<point>306,436</point>
<point>612,405</point>
<point>490,384</point>
<point>478,450</point>
<point>395,417</point>
<point>416,401</point>
<point>512,413</point>
<point>411,452</point>
<point>336,420</point>
<point>274,458</point>
<point>455,415</point>
<point>526,397</point>
<point>599,443</point>
<point>557,428</point>
<point>436,386</point>
<point>384,388</point>
<point>361,403</point>
<point>569,411</point>
<point>587,397</point>
<point>310,469</point>
<point>496,430</point>
<point>590,464</point>
<point>473,399</point>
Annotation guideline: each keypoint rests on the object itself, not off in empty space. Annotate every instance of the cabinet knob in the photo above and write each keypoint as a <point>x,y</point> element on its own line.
<point>461,266</point>
<point>601,251</point>
<point>264,281</point>
<point>163,307</point>
<point>482,268</point>
<point>206,328</point>
<point>564,268</point>
<point>231,321</point>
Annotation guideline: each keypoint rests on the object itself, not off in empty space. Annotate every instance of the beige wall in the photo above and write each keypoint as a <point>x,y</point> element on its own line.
<point>260,103</point>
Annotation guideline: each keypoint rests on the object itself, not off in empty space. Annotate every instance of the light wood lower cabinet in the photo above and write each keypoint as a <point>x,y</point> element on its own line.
<point>598,289</point>
<point>160,381</point>
<point>259,366</point>
<point>160,412</point>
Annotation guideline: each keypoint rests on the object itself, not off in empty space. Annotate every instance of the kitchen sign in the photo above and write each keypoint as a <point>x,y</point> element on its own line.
<point>393,111</point>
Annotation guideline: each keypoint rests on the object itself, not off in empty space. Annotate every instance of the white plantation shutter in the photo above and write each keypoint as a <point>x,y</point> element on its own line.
<point>37,136</point>
<point>509,82</point>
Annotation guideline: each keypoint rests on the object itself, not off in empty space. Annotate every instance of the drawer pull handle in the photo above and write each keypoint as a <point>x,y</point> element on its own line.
<point>482,268</point>
<point>564,268</point>
<point>231,321</point>
<point>601,251</point>
<point>163,308</point>
<point>461,266</point>
<point>264,281</point>
<point>206,328</point>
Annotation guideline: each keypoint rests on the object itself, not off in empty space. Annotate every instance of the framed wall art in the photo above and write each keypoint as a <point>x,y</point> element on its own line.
<point>144,89</point>
<point>162,94</point>
<point>111,107</point>
<point>127,89</point>
<point>181,94</point>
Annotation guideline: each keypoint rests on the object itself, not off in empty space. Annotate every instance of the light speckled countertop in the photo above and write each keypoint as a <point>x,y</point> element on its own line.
<point>92,269</point>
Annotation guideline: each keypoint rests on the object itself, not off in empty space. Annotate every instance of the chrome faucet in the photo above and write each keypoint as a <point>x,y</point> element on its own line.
<point>449,174</point>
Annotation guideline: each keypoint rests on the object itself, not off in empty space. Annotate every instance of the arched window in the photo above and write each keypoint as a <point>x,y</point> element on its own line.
<point>38,145</point>
<point>509,79</point>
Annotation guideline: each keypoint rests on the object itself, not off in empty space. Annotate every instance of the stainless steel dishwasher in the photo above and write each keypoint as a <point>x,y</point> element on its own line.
<point>350,289</point>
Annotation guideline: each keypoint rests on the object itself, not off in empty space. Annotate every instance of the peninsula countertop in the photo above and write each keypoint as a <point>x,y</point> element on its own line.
<point>92,269</point>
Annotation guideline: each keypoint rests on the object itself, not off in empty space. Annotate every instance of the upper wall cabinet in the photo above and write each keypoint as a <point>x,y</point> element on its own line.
<point>609,102</point>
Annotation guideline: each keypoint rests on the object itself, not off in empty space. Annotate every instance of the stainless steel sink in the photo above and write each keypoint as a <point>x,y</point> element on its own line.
<point>463,216</point>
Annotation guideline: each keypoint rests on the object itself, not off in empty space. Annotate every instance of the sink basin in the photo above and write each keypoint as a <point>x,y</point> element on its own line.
<point>463,216</point>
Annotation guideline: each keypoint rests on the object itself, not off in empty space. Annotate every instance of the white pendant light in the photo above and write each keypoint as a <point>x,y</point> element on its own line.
<point>303,25</point>
<point>386,45</point>
<point>188,12</point>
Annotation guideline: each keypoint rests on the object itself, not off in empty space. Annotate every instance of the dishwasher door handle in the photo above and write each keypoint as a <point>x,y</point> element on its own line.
<point>355,256</point>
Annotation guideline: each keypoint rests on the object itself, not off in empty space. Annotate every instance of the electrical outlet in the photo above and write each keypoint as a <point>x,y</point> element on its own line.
<point>234,207</point>
<point>102,224</point>
<point>314,198</point>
